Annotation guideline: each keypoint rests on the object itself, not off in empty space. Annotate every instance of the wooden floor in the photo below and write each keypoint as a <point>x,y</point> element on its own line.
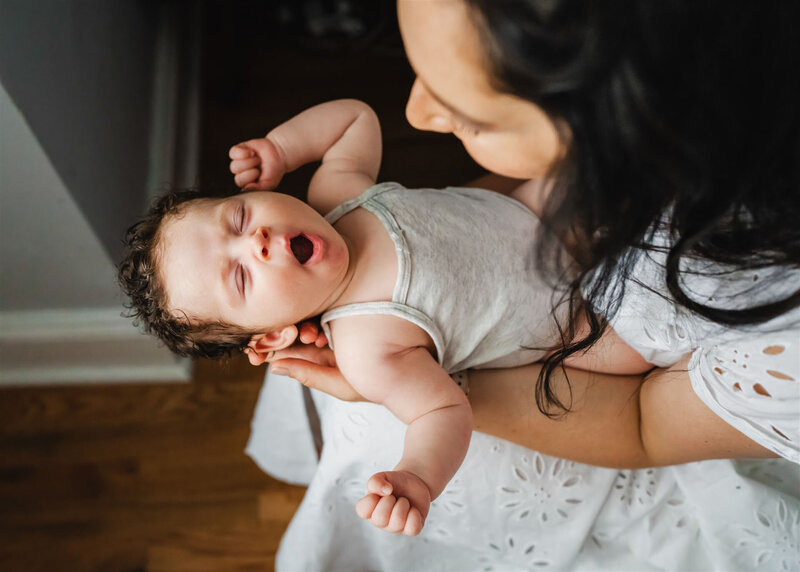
<point>138,477</point>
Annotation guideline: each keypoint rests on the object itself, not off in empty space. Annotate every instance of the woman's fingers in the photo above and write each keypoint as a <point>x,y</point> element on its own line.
<point>323,378</point>
<point>321,356</point>
<point>308,332</point>
<point>315,368</point>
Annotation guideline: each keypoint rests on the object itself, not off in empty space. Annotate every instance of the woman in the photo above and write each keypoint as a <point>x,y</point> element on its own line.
<point>669,132</point>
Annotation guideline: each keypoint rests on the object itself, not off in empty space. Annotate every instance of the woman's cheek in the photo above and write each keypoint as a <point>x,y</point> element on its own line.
<point>485,154</point>
<point>501,155</point>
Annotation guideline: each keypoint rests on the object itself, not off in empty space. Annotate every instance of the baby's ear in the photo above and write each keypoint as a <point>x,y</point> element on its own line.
<point>261,345</point>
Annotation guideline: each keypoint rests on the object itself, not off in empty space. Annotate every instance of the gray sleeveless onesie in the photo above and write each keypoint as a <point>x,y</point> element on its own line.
<point>466,274</point>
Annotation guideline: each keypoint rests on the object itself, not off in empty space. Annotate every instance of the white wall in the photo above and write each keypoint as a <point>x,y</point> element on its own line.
<point>98,105</point>
<point>82,74</point>
<point>50,257</point>
<point>60,307</point>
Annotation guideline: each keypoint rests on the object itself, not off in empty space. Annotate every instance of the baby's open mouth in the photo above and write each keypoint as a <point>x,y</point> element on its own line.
<point>302,248</point>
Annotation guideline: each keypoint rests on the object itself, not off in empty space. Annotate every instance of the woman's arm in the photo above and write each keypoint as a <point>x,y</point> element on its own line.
<point>616,421</point>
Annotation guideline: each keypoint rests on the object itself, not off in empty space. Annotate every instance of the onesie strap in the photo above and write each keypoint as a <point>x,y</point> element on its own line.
<point>386,308</point>
<point>368,200</point>
<point>347,206</point>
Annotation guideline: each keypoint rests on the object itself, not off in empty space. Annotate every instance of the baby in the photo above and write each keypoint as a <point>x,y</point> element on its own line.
<point>411,285</point>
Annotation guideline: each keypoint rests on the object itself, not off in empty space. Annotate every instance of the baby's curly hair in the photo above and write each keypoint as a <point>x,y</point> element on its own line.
<point>138,275</point>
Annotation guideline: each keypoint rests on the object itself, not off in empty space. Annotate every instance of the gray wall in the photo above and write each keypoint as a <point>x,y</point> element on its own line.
<point>50,257</point>
<point>81,73</point>
<point>82,83</point>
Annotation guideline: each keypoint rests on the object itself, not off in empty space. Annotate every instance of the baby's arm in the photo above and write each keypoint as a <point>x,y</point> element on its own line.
<point>387,360</point>
<point>344,134</point>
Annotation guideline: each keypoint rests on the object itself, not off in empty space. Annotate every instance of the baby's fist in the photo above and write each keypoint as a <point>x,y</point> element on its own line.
<point>398,502</point>
<point>256,165</point>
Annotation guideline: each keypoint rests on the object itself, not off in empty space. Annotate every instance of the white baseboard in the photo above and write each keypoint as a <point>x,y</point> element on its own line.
<point>79,346</point>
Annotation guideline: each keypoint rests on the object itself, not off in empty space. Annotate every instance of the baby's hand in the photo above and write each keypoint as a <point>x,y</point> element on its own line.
<point>398,501</point>
<point>257,165</point>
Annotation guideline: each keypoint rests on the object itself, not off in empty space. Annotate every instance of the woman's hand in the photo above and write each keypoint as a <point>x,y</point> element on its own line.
<point>313,364</point>
<point>257,165</point>
<point>309,333</point>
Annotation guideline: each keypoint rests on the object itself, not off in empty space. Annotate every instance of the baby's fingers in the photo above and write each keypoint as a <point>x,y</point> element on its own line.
<point>383,511</point>
<point>397,521</point>
<point>414,523</point>
<point>241,151</point>
<point>246,177</point>
<point>379,485</point>
<point>366,505</point>
<point>239,165</point>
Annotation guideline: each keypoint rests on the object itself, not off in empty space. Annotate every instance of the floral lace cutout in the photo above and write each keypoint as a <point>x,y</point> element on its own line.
<point>755,375</point>
<point>754,384</point>
<point>772,541</point>
<point>508,509</point>
<point>636,487</point>
<point>540,488</point>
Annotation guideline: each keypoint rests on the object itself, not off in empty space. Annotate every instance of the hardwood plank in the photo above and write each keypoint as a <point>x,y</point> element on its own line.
<point>239,548</point>
<point>127,477</point>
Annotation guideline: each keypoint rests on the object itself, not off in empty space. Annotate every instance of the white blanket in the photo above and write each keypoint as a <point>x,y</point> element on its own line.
<point>510,508</point>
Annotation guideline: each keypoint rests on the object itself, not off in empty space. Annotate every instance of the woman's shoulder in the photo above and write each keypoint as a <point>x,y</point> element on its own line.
<point>643,292</point>
<point>648,317</point>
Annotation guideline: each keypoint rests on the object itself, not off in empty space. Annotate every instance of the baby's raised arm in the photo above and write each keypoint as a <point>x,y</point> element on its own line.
<point>344,134</point>
<point>387,360</point>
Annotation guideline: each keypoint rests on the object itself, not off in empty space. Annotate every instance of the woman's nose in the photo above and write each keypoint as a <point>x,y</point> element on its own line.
<point>261,243</point>
<point>424,112</point>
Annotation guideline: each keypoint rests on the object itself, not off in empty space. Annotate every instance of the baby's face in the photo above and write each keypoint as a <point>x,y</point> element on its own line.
<point>259,260</point>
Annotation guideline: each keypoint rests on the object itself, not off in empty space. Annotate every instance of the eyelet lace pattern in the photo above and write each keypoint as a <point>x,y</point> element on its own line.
<point>510,508</point>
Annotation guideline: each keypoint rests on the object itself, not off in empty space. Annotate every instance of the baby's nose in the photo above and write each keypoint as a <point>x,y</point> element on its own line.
<point>261,243</point>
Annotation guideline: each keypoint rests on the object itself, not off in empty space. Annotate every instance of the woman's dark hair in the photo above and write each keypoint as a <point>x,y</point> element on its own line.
<point>685,108</point>
<point>138,275</point>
